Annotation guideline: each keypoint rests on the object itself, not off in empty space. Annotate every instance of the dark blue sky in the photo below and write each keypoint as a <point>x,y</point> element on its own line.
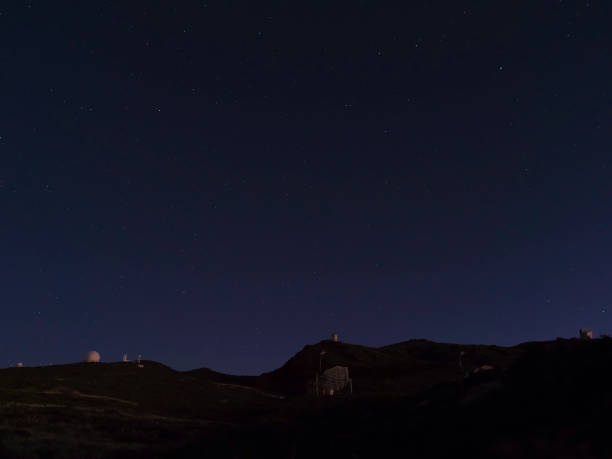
<point>220,183</point>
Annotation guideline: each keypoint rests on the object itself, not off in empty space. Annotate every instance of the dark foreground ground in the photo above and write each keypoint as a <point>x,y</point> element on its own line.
<point>541,400</point>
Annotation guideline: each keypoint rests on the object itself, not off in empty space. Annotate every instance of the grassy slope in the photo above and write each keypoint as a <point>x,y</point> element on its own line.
<point>100,408</point>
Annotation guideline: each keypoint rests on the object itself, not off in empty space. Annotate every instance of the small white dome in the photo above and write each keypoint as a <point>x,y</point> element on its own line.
<point>92,356</point>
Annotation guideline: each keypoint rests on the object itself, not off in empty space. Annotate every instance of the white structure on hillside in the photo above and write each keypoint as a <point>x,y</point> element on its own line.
<point>334,380</point>
<point>335,337</point>
<point>125,359</point>
<point>20,364</point>
<point>586,333</point>
<point>92,357</point>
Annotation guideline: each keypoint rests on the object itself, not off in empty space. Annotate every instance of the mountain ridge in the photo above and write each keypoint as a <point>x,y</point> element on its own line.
<point>536,399</point>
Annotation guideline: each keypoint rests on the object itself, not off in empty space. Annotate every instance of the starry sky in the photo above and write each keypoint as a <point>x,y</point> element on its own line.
<point>219,183</point>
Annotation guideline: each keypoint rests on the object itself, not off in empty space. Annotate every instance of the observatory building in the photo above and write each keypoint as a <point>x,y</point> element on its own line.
<point>333,380</point>
<point>335,337</point>
<point>92,357</point>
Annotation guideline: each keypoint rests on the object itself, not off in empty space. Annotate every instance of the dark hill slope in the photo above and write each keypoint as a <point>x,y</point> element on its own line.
<point>554,401</point>
<point>405,368</point>
<point>156,388</point>
<point>548,399</point>
<point>210,375</point>
<point>109,409</point>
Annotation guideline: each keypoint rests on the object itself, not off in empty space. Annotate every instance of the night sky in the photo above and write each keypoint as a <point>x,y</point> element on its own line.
<point>220,183</point>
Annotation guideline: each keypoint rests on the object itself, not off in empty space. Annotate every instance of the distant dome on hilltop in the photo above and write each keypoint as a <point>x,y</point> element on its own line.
<point>92,356</point>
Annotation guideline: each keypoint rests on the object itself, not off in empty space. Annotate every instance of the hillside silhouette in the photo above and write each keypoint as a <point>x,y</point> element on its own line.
<point>417,398</point>
<point>404,368</point>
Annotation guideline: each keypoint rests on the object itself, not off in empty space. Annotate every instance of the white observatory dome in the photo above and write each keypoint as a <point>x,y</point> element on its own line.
<point>92,356</point>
